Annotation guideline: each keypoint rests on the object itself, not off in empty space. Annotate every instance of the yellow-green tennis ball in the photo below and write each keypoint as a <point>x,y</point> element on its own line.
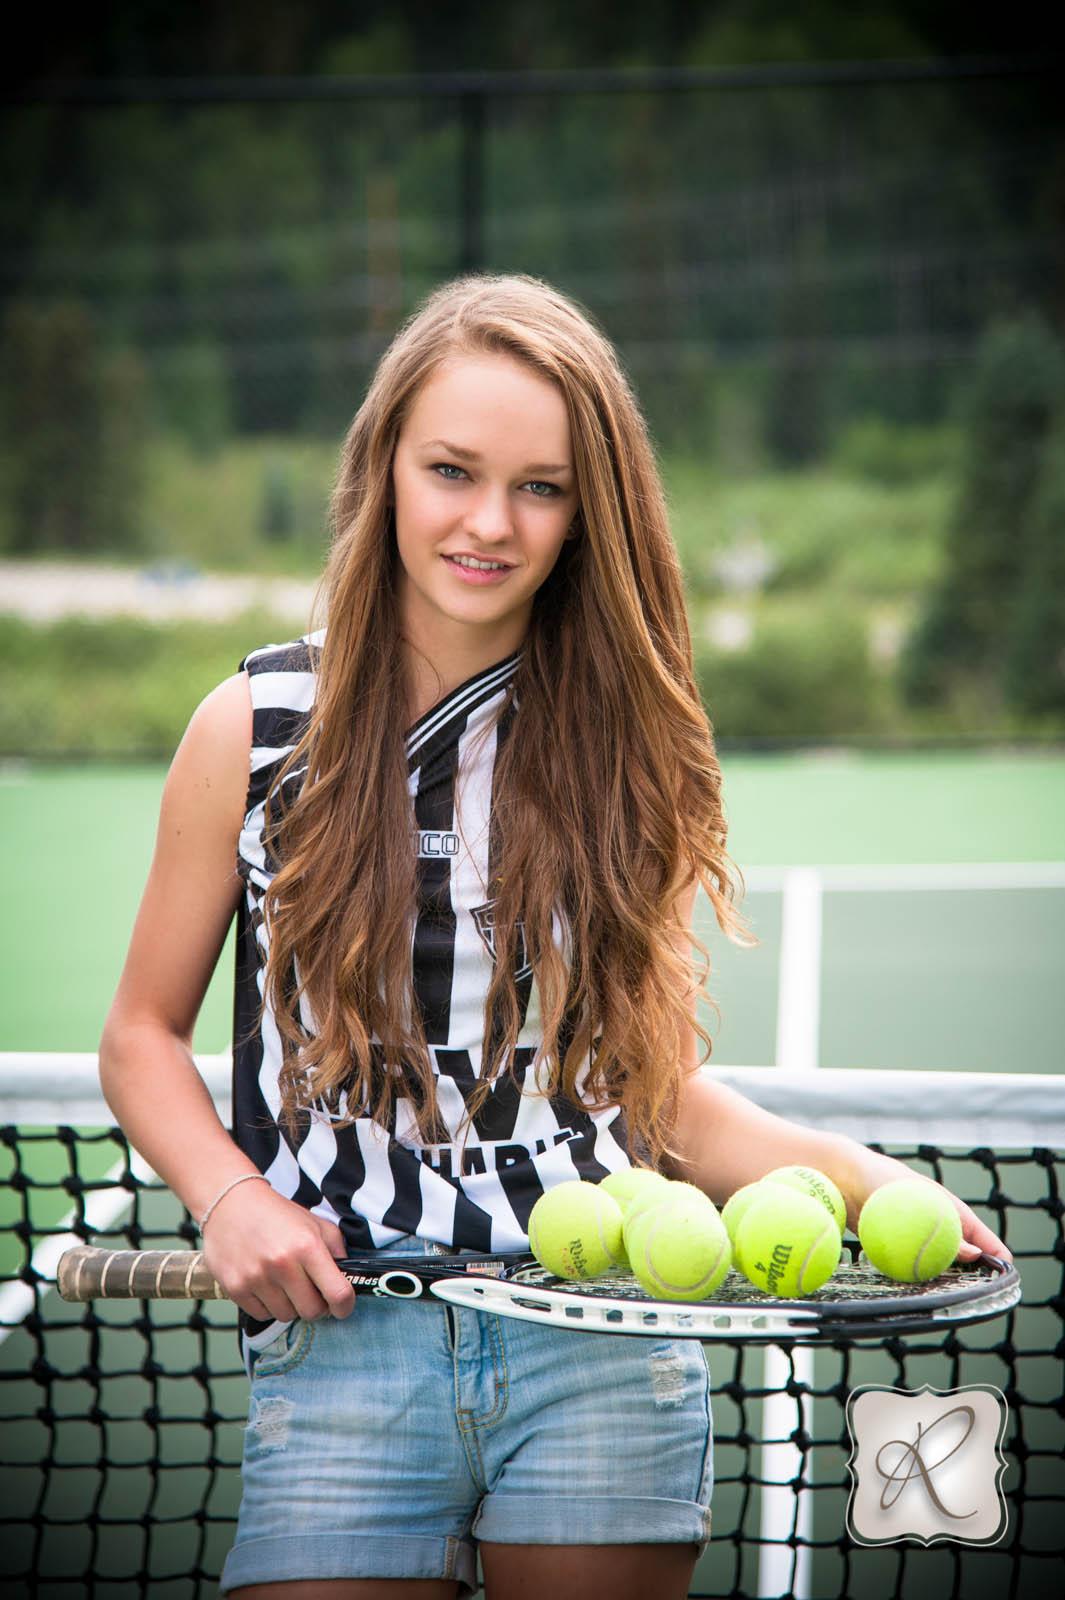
<point>909,1230</point>
<point>630,1187</point>
<point>630,1183</point>
<point>809,1181</point>
<point>787,1243</point>
<point>735,1208</point>
<point>678,1249</point>
<point>575,1230</point>
<point>651,1196</point>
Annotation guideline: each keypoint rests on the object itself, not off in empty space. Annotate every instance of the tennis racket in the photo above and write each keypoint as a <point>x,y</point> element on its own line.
<point>857,1303</point>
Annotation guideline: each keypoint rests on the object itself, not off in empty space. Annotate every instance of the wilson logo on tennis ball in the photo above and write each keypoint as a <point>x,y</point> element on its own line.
<point>776,1268</point>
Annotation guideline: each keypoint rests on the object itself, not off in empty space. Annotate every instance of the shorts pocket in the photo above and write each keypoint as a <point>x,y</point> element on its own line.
<point>286,1352</point>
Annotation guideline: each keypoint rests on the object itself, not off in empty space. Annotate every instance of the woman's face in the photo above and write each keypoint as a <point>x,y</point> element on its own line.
<point>485,492</point>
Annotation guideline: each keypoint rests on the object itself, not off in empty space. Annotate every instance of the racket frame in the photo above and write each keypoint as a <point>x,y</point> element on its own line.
<point>514,1285</point>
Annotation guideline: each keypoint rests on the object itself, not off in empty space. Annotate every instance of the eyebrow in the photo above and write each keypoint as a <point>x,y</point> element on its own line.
<point>473,455</point>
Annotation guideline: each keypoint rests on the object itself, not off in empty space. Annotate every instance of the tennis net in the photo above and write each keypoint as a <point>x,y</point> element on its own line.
<point>122,1420</point>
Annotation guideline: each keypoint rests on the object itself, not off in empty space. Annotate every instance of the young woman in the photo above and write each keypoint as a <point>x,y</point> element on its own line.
<point>462,826</point>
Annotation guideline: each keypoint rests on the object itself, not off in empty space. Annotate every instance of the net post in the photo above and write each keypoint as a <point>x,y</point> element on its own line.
<point>785,1468</point>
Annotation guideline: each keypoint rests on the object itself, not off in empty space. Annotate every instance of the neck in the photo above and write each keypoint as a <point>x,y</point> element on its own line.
<point>432,675</point>
<point>440,653</point>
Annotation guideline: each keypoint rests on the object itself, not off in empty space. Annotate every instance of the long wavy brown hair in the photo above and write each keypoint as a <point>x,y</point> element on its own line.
<point>607,790</point>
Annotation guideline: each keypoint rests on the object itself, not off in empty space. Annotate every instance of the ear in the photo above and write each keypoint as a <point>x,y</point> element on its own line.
<point>576,528</point>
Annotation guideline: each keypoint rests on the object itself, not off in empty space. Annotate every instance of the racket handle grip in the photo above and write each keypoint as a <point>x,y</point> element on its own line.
<point>89,1273</point>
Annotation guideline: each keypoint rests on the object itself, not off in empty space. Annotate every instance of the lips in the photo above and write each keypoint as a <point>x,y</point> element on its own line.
<point>477,576</point>
<point>461,557</point>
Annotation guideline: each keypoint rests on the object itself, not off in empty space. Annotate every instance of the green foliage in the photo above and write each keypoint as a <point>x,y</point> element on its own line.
<point>805,675</point>
<point>893,454</point>
<point>970,623</point>
<point>192,396</point>
<point>119,687</point>
<point>211,511</point>
<point>74,421</point>
<point>277,509</point>
<point>795,416</point>
<point>860,540</point>
<point>1034,672</point>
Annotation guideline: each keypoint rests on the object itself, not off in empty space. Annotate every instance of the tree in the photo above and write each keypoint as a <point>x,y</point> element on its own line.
<point>1034,676</point>
<point>965,635</point>
<point>74,416</point>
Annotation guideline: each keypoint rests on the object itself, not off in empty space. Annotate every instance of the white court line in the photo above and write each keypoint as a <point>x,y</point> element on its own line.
<point>917,877</point>
<point>782,1570</point>
<point>102,1208</point>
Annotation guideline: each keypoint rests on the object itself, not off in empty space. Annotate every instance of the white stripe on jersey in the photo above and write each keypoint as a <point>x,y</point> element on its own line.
<point>468,881</point>
<point>454,704</point>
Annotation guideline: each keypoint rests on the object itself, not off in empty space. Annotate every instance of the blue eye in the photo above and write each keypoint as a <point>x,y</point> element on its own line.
<point>552,490</point>
<point>444,467</point>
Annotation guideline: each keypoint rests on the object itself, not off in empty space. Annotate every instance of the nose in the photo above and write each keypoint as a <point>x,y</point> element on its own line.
<point>488,517</point>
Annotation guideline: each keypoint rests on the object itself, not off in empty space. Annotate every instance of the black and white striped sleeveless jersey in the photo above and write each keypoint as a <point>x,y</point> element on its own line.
<point>381,1183</point>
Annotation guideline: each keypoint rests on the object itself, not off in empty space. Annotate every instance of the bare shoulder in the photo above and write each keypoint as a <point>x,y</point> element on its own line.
<point>210,769</point>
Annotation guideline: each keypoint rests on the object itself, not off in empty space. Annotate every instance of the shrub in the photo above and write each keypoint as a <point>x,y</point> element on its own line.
<point>804,676</point>
<point>888,453</point>
<point>115,687</point>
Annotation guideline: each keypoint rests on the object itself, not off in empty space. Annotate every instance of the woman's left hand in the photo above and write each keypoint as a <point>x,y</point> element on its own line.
<point>866,1170</point>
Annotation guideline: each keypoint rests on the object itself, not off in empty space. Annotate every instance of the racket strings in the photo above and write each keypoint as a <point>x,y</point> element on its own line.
<point>856,1281</point>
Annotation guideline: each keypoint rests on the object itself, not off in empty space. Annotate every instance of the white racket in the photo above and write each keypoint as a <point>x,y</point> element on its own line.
<point>857,1302</point>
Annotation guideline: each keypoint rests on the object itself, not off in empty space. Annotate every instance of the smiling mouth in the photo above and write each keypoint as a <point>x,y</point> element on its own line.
<point>474,564</point>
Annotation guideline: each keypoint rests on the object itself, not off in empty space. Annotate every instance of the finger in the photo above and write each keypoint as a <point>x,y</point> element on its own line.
<point>264,1298</point>
<point>332,1237</point>
<point>254,1307</point>
<point>332,1285</point>
<point>302,1293</point>
<point>977,1237</point>
<point>981,1238</point>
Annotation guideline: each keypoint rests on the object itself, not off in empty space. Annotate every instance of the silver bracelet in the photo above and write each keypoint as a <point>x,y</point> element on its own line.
<point>232,1184</point>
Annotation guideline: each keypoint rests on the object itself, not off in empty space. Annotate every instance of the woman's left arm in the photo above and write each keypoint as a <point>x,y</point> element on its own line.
<point>723,1140</point>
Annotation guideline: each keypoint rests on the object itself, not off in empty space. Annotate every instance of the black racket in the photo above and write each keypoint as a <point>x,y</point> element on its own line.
<point>856,1303</point>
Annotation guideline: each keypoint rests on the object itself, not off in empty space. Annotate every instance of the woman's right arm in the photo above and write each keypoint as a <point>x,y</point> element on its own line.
<point>271,1256</point>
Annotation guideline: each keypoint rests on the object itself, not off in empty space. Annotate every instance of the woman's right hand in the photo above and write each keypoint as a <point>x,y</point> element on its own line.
<point>274,1258</point>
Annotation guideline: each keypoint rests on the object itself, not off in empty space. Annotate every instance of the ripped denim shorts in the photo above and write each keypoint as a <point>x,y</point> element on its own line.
<point>388,1444</point>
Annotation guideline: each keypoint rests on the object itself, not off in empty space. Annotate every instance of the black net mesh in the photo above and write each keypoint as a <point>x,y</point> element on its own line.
<point>122,1420</point>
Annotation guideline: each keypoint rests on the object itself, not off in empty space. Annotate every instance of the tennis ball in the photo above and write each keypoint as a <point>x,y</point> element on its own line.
<point>736,1205</point>
<point>678,1248</point>
<point>809,1181</point>
<point>909,1230</point>
<point>651,1194</point>
<point>575,1230</point>
<point>786,1243</point>
<point>630,1187</point>
<point>631,1182</point>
